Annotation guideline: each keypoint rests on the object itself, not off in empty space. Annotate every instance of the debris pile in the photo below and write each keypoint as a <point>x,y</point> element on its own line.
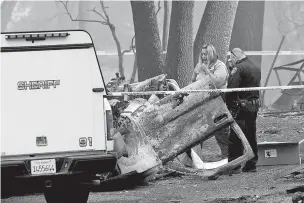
<point>154,129</point>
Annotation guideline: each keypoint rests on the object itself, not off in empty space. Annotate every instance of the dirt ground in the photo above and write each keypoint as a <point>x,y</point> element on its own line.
<point>245,187</point>
<point>280,127</point>
<point>241,188</point>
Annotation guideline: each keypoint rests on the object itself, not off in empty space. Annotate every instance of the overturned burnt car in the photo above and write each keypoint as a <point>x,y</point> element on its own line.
<point>151,130</point>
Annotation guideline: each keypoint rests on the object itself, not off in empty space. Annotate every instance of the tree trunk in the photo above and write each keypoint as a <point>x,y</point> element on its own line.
<point>113,31</point>
<point>216,28</point>
<point>179,57</point>
<point>7,8</point>
<point>148,46</point>
<point>166,25</point>
<point>247,32</point>
<point>134,69</point>
<point>119,52</point>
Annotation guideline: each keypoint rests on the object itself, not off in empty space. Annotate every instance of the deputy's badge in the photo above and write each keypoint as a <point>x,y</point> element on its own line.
<point>233,71</point>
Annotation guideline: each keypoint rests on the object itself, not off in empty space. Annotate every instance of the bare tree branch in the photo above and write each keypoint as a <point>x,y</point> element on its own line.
<point>107,22</point>
<point>132,47</point>
<point>112,28</point>
<point>286,15</point>
<point>133,44</point>
<point>105,12</point>
<point>288,19</point>
<point>94,10</point>
<point>159,7</point>
<point>291,19</point>
<point>65,4</point>
<point>295,26</point>
<point>280,27</point>
<point>126,51</point>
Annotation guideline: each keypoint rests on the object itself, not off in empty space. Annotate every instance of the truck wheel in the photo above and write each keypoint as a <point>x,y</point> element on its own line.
<point>75,194</point>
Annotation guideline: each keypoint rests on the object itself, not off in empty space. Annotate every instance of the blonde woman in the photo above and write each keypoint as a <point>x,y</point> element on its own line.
<point>209,64</point>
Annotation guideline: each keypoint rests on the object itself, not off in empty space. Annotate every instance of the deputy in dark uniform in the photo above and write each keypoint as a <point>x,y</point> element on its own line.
<point>243,106</point>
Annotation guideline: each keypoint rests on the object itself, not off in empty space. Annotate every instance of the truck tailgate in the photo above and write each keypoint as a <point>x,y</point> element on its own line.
<point>47,100</point>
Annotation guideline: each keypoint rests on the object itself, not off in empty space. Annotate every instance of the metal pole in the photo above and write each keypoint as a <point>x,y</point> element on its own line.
<point>269,72</point>
<point>298,72</point>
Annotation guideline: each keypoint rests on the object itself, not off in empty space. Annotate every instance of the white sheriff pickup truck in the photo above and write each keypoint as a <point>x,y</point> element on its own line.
<point>55,116</point>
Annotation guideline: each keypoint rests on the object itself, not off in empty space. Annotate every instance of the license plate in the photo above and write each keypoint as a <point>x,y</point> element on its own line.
<point>46,166</point>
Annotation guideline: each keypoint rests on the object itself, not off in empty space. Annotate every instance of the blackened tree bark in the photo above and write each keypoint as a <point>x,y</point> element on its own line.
<point>216,27</point>
<point>148,45</point>
<point>247,32</point>
<point>179,60</point>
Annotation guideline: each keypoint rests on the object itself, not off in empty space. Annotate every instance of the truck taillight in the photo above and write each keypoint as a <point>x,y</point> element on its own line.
<point>37,36</point>
<point>109,121</point>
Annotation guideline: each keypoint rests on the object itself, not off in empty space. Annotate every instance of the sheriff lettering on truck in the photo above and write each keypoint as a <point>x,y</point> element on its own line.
<point>55,116</point>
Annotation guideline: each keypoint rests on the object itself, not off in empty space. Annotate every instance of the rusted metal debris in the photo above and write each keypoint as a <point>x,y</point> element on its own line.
<point>158,128</point>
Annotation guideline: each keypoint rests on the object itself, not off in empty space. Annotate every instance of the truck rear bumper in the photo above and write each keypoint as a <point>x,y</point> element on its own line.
<point>80,165</point>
